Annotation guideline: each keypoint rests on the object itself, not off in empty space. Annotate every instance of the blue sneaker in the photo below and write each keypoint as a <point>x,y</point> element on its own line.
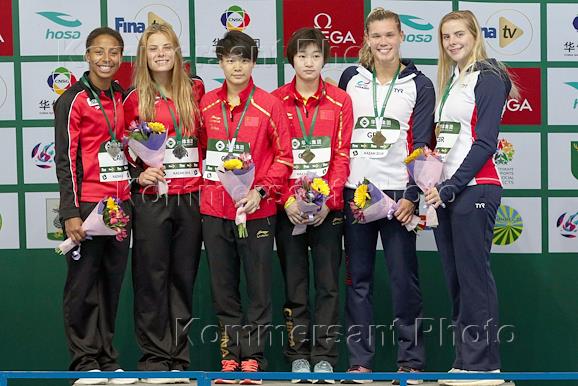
<point>300,366</point>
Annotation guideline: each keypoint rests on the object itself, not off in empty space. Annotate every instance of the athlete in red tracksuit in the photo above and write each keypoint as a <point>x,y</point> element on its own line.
<point>256,124</point>
<point>167,230</point>
<point>322,119</point>
<point>90,165</point>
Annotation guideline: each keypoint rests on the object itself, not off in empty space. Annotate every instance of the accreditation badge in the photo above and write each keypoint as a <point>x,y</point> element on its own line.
<point>311,158</point>
<point>112,167</point>
<point>185,166</point>
<point>372,137</point>
<point>447,135</point>
<point>217,150</point>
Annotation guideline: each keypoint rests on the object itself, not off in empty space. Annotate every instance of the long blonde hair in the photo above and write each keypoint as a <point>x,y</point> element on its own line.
<point>377,14</point>
<point>182,86</point>
<point>446,64</point>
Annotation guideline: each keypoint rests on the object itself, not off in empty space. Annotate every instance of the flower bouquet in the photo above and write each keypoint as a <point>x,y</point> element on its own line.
<point>310,196</point>
<point>371,204</point>
<point>425,166</point>
<point>237,175</point>
<point>147,140</point>
<point>106,219</point>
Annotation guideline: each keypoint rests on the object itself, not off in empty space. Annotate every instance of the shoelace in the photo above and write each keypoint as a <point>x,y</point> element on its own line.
<point>250,366</point>
<point>229,365</point>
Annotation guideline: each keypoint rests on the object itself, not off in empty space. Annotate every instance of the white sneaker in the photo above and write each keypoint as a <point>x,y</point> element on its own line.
<point>300,366</point>
<point>472,382</point>
<point>158,381</point>
<point>323,367</point>
<point>91,381</point>
<point>180,380</point>
<point>122,381</point>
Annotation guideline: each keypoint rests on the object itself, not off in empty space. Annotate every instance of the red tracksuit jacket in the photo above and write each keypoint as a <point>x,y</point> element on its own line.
<point>82,165</point>
<point>264,129</point>
<point>162,114</point>
<point>334,120</point>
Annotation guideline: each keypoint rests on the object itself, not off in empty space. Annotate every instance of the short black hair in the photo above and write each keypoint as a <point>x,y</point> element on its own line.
<point>304,37</point>
<point>104,31</point>
<point>237,43</point>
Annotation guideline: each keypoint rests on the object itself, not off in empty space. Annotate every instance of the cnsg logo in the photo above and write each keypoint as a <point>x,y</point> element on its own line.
<point>43,155</point>
<point>507,27</point>
<point>324,22</point>
<point>418,24</point>
<point>567,224</point>
<point>63,20</point>
<point>60,80</point>
<point>235,18</point>
<point>574,85</point>
<point>508,227</point>
<point>505,153</point>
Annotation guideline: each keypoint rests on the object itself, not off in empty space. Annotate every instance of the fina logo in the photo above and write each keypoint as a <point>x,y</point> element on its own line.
<point>335,37</point>
<point>128,26</point>
<point>235,18</point>
<point>418,24</point>
<point>63,20</point>
<point>568,225</point>
<point>60,80</point>
<point>43,155</point>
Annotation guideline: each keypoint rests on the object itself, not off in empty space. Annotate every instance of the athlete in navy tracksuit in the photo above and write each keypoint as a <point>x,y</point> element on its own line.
<point>407,124</point>
<point>468,118</point>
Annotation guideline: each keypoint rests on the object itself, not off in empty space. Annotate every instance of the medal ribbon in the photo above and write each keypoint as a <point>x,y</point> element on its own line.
<point>374,86</point>
<point>226,120</point>
<point>95,96</point>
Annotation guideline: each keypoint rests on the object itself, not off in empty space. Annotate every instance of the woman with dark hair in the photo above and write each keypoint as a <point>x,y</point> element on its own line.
<point>321,120</point>
<point>88,125</point>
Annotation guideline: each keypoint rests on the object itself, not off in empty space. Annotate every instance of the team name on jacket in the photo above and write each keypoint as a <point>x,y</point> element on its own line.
<point>86,171</point>
<point>332,136</point>
<point>408,123</point>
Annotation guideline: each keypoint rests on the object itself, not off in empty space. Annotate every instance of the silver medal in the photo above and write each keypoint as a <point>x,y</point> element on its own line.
<point>113,149</point>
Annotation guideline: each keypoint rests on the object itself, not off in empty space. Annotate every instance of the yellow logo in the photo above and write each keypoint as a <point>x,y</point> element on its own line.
<point>153,18</point>
<point>261,234</point>
<point>510,32</point>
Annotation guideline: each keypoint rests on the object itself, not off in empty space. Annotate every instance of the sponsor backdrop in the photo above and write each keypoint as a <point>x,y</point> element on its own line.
<point>536,235</point>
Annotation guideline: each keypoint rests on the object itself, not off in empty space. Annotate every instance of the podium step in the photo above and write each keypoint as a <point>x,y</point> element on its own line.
<point>287,383</point>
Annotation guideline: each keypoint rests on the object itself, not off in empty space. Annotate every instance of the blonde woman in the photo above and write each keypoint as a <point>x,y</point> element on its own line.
<point>393,104</point>
<point>167,230</point>
<point>474,90</point>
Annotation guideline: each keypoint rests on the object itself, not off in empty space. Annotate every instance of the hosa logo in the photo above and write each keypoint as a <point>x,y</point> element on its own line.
<point>235,18</point>
<point>575,86</point>
<point>323,22</point>
<point>418,24</point>
<point>63,20</point>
